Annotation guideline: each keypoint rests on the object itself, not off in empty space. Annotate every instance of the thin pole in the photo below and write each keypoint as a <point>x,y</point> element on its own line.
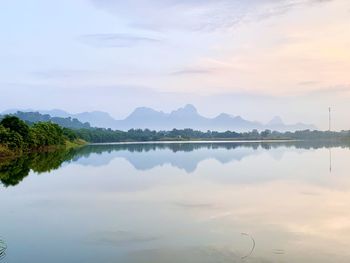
<point>330,127</point>
<point>330,160</point>
<point>330,149</point>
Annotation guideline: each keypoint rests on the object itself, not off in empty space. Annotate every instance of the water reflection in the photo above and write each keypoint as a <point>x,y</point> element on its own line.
<point>13,171</point>
<point>3,248</point>
<point>176,155</point>
<point>171,203</point>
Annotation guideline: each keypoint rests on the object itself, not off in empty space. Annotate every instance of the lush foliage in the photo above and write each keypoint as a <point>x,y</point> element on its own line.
<point>107,135</point>
<point>17,136</point>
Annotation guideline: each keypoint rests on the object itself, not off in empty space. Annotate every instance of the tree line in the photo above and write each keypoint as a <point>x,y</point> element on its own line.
<point>73,129</point>
<point>16,136</point>
<point>100,135</point>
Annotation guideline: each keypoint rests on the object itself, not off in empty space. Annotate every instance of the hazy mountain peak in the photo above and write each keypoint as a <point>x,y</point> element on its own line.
<point>223,116</point>
<point>190,107</point>
<point>238,118</point>
<point>185,117</point>
<point>187,110</point>
<point>96,113</point>
<point>58,111</point>
<point>277,120</point>
<point>12,111</point>
<point>144,111</point>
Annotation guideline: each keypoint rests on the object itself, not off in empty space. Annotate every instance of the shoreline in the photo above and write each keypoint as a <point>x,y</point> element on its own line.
<point>7,154</point>
<point>194,141</point>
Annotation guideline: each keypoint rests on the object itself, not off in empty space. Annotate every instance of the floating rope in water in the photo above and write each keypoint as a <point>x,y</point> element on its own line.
<point>253,245</point>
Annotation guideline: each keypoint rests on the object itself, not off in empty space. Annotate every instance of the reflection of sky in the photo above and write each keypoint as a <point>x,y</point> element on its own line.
<point>293,208</point>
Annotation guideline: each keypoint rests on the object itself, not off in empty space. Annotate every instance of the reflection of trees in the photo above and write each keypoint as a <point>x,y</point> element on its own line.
<point>13,171</point>
<point>188,147</point>
<point>45,162</point>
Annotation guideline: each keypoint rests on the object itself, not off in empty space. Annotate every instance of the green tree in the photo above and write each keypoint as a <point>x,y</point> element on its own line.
<point>16,125</point>
<point>11,139</point>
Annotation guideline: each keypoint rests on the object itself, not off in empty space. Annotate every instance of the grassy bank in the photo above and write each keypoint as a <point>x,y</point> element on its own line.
<point>74,144</point>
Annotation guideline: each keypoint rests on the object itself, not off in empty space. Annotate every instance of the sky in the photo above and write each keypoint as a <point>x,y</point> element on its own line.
<point>253,58</point>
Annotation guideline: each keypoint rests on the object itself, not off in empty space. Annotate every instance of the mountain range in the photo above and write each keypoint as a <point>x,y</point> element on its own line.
<point>185,117</point>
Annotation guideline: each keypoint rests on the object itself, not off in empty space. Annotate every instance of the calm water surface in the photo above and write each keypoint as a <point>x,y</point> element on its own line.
<point>178,203</point>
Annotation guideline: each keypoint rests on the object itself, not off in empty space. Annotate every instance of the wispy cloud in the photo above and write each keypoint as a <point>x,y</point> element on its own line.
<point>61,74</point>
<point>199,15</point>
<point>116,40</point>
<point>280,7</point>
<point>308,83</point>
<point>333,90</point>
<point>203,206</point>
<point>192,72</point>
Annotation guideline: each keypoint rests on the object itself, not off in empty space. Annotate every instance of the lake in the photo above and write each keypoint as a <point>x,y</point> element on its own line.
<point>178,203</point>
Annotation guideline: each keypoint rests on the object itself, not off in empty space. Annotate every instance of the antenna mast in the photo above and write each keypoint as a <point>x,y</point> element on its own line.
<point>330,111</point>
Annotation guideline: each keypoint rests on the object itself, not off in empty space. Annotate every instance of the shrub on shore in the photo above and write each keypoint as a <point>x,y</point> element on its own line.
<point>17,137</point>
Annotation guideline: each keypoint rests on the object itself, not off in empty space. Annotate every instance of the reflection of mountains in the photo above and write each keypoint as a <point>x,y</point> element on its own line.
<point>177,154</point>
<point>145,156</point>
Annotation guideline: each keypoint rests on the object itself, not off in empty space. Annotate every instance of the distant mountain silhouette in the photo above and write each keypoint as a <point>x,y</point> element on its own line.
<point>95,118</point>
<point>188,117</point>
<point>182,118</point>
<point>34,117</point>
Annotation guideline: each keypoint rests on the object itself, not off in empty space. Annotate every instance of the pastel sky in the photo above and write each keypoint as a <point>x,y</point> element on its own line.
<point>254,58</point>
